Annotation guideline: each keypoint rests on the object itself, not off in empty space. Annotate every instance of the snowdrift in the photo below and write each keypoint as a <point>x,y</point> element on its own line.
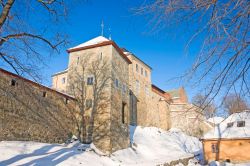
<point>151,146</point>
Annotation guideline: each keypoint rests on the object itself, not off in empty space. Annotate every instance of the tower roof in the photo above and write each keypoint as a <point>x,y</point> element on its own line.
<point>99,42</point>
<point>93,41</point>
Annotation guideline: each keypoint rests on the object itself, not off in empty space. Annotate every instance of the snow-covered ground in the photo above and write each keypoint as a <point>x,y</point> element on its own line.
<point>151,146</point>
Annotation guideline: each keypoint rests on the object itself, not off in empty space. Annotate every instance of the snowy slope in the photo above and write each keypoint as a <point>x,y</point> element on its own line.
<point>151,146</point>
<point>222,131</point>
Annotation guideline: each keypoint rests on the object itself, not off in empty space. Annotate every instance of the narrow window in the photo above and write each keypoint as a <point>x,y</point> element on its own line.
<point>215,148</point>
<point>123,112</point>
<point>63,80</point>
<point>88,103</point>
<point>44,94</point>
<point>124,88</point>
<point>146,90</point>
<point>137,68</point>
<point>141,71</point>
<point>146,73</point>
<point>230,124</point>
<point>137,86</point>
<point>66,100</point>
<point>13,82</point>
<point>101,56</point>
<point>78,59</point>
<point>241,124</point>
<point>90,80</point>
<point>116,83</point>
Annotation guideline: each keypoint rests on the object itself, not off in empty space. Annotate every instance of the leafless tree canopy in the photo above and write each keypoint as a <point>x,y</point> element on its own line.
<point>29,33</point>
<point>209,109</point>
<point>234,103</point>
<point>222,65</point>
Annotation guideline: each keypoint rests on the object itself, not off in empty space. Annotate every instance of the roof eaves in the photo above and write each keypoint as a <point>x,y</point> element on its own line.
<point>61,72</point>
<point>105,43</point>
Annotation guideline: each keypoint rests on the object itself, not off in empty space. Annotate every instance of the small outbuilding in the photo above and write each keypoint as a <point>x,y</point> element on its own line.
<point>229,140</point>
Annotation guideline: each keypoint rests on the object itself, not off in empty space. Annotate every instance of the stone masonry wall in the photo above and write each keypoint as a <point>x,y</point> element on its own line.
<point>28,114</point>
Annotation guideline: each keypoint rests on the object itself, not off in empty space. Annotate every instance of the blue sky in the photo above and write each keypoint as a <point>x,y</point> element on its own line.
<point>163,51</point>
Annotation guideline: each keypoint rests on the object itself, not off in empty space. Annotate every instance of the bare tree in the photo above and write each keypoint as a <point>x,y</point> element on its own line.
<point>208,109</point>
<point>223,62</point>
<point>234,103</point>
<point>89,82</point>
<point>29,33</point>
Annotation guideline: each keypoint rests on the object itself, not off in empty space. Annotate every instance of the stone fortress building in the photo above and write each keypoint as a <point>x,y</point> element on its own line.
<point>103,72</point>
<point>144,103</point>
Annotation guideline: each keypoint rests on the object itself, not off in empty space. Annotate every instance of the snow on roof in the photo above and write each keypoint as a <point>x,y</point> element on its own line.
<point>229,129</point>
<point>215,120</point>
<point>60,72</point>
<point>94,41</point>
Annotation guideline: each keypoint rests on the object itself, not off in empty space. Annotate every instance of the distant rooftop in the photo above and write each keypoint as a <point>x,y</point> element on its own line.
<point>230,127</point>
<point>174,93</point>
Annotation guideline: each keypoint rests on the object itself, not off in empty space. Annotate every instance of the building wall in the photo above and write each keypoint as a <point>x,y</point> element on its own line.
<point>119,102</point>
<point>157,112</point>
<point>59,81</point>
<point>85,59</point>
<point>109,133</point>
<point>140,85</point>
<point>188,118</point>
<point>236,150</point>
<point>27,115</point>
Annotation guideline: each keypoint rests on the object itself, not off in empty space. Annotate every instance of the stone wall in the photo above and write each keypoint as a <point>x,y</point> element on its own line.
<point>120,103</point>
<point>109,132</point>
<point>31,112</point>
<point>188,118</point>
<point>157,113</point>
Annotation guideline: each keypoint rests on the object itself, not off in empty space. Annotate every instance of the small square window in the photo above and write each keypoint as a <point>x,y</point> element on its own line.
<point>88,103</point>
<point>241,124</point>
<point>13,82</point>
<point>230,124</point>
<point>63,80</point>
<point>215,148</point>
<point>44,94</point>
<point>141,71</point>
<point>90,80</point>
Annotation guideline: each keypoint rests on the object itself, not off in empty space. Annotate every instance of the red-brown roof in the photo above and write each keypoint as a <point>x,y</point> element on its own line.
<point>105,43</point>
<point>160,92</point>
<point>35,84</point>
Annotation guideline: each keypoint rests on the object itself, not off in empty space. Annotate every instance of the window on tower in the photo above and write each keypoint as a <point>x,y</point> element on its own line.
<point>90,80</point>
<point>137,67</point>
